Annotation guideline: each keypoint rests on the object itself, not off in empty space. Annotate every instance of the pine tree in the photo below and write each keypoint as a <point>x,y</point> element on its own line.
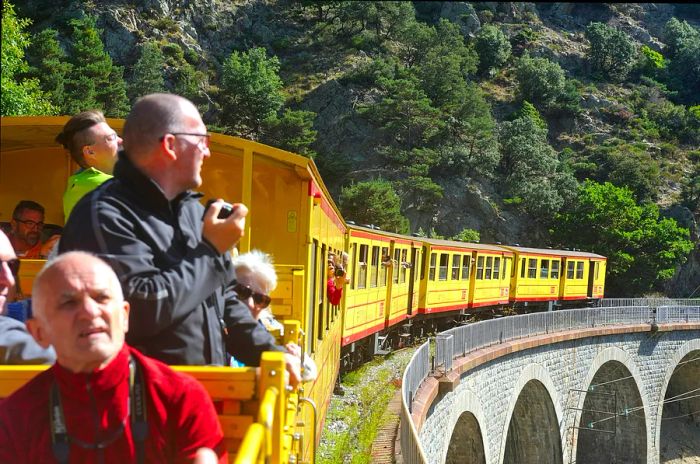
<point>148,72</point>
<point>94,82</point>
<point>49,64</point>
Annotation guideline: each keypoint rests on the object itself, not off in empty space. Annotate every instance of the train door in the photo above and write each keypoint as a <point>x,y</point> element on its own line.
<point>592,267</point>
<point>412,279</point>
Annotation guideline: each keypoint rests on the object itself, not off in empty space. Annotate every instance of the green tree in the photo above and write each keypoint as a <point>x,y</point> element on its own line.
<point>292,131</point>
<point>468,235</point>
<point>49,64</point>
<point>373,202</point>
<point>251,91</point>
<point>532,174</point>
<point>684,71</point>
<point>540,81</point>
<point>94,81</point>
<point>611,50</point>
<point>529,111</point>
<point>405,114</point>
<point>493,48</point>
<point>642,248</point>
<point>469,141</point>
<point>444,69</point>
<point>18,96</point>
<point>678,34</point>
<point>420,193</point>
<point>147,74</point>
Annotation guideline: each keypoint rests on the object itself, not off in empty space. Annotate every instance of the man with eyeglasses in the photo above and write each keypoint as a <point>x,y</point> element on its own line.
<point>93,146</point>
<point>170,255</point>
<point>16,344</point>
<point>26,226</point>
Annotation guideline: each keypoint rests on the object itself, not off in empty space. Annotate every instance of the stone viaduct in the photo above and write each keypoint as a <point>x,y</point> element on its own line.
<point>589,395</point>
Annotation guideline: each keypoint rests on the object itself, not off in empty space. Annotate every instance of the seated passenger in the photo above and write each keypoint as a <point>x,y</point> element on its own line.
<point>256,278</point>
<point>25,231</point>
<point>93,146</point>
<point>16,345</point>
<point>85,408</point>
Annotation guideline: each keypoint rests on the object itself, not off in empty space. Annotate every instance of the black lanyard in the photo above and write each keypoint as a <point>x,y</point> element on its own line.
<point>61,440</point>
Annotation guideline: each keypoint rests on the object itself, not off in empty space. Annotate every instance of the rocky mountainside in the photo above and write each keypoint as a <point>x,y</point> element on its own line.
<point>321,55</point>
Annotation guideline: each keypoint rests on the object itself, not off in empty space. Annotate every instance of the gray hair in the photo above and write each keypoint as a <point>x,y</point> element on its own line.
<point>259,265</point>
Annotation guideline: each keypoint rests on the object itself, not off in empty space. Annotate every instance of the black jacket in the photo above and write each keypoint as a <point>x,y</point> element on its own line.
<point>178,285</point>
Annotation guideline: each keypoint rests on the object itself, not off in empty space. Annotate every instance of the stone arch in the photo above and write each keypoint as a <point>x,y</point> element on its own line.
<point>612,363</point>
<point>535,385</point>
<point>688,348</point>
<point>467,412</point>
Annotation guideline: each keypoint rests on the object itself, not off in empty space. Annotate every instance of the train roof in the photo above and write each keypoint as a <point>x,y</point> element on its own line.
<point>469,245</point>
<point>553,252</point>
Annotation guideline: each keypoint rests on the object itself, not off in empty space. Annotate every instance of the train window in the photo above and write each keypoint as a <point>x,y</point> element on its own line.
<point>362,267</point>
<point>433,260</point>
<point>489,268</point>
<point>465,267</point>
<point>354,266</point>
<point>531,268</point>
<point>544,269</point>
<point>554,274</point>
<point>506,262</point>
<point>444,263</point>
<point>397,259</point>
<point>496,267</point>
<point>579,269</point>
<point>404,254</point>
<point>522,268</point>
<point>455,267</point>
<point>417,262</point>
<point>569,269</point>
<point>480,268</point>
<point>597,270</point>
<point>322,290</point>
<point>374,269</point>
<point>312,297</point>
<point>383,269</point>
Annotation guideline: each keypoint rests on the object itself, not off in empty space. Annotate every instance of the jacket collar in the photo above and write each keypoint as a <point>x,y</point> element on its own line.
<point>74,384</point>
<point>144,188</point>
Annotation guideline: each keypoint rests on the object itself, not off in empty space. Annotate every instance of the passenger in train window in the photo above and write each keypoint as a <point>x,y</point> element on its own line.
<point>256,277</point>
<point>170,254</point>
<point>93,145</point>
<point>25,234</point>
<point>102,401</point>
<point>16,344</point>
<point>335,281</point>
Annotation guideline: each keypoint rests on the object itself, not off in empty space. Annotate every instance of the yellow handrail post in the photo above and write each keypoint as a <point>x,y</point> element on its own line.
<point>272,392</point>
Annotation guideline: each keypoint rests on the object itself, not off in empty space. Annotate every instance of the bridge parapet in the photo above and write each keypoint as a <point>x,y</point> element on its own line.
<point>461,341</point>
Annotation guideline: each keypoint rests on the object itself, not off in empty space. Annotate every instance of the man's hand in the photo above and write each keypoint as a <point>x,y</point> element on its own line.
<point>224,233</point>
<point>293,366</point>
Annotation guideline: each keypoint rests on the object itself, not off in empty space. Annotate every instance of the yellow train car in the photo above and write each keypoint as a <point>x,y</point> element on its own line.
<point>292,217</point>
<point>460,275</point>
<point>583,276</point>
<point>543,274</point>
<point>384,288</point>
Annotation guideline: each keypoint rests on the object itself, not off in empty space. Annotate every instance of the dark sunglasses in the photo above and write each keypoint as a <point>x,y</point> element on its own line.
<point>13,264</point>
<point>245,292</point>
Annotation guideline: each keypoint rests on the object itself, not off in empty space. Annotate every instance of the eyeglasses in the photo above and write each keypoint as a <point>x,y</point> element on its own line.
<point>30,223</point>
<point>109,138</point>
<point>245,292</point>
<point>203,142</point>
<point>13,264</point>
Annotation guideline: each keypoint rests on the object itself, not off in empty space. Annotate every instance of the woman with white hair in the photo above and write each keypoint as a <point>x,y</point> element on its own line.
<point>256,279</point>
